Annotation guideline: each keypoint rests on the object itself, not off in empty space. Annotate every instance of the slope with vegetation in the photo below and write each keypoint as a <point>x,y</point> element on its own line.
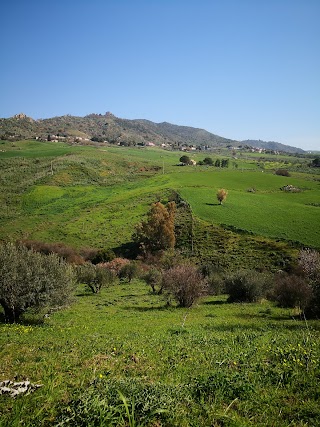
<point>155,334</point>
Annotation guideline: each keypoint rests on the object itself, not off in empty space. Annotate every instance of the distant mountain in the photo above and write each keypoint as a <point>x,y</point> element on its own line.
<point>271,145</point>
<point>111,129</point>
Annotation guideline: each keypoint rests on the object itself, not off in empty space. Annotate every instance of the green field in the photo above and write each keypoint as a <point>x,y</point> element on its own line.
<point>268,211</point>
<point>87,196</point>
<point>216,364</point>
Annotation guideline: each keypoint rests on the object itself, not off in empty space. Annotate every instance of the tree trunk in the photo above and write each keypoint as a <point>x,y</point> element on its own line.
<point>11,314</point>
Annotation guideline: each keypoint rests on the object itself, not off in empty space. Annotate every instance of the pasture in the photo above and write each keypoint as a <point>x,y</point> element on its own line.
<point>94,196</point>
<point>266,211</point>
<point>215,364</point>
<point>125,357</point>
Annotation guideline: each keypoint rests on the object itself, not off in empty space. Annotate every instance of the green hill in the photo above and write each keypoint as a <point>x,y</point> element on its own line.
<point>113,130</point>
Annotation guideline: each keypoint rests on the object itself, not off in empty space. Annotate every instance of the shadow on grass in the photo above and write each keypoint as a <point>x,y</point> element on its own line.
<point>26,320</point>
<point>214,302</point>
<point>234,328</point>
<point>85,294</point>
<point>147,309</point>
<point>213,204</point>
<point>299,320</point>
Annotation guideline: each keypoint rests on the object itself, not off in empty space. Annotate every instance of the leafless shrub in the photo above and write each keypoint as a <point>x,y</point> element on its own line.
<point>185,283</point>
<point>292,291</point>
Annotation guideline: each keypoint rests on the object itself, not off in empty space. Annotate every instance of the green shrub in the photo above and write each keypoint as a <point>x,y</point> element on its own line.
<point>282,172</point>
<point>153,278</point>
<point>29,279</point>
<point>94,276</point>
<point>129,271</point>
<point>216,284</point>
<point>208,161</point>
<point>246,286</point>
<point>103,255</point>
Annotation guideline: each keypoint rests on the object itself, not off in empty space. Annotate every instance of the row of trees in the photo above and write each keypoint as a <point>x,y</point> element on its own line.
<point>218,163</point>
<point>207,161</point>
<point>29,279</point>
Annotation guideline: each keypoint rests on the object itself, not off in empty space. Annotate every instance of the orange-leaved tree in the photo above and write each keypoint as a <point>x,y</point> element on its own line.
<point>222,195</point>
<point>157,232</point>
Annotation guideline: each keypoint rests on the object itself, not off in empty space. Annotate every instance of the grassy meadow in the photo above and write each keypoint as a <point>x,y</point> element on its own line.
<point>82,195</point>
<point>124,357</point>
<point>215,364</point>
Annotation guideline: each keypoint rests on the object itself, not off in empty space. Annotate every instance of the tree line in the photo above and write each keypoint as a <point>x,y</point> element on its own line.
<point>207,161</point>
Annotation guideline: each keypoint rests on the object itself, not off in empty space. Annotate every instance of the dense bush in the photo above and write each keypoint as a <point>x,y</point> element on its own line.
<point>216,285</point>
<point>208,161</point>
<point>246,286</point>
<point>95,277</point>
<point>103,255</point>
<point>282,172</point>
<point>291,291</point>
<point>129,271</point>
<point>185,160</point>
<point>213,273</point>
<point>185,283</point>
<point>31,279</point>
<point>153,278</point>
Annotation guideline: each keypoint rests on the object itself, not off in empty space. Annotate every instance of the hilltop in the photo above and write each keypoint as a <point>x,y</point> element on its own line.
<point>113,130</point>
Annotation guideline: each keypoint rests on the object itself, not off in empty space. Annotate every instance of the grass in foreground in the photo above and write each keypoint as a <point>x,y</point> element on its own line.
<point>214,364</point>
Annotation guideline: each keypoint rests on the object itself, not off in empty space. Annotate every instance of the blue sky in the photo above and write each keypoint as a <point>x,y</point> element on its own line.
<point>242,69</point>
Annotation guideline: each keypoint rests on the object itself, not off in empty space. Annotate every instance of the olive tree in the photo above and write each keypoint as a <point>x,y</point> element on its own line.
<point>94,276</point>
<point>29,279</point>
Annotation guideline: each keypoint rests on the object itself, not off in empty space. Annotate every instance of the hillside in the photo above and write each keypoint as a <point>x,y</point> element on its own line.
<point>111,129</point>
<point>271,145</point>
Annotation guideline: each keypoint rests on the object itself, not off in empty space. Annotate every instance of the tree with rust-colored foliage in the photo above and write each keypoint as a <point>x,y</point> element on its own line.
<point>221,195</point>
<point>157,232</point>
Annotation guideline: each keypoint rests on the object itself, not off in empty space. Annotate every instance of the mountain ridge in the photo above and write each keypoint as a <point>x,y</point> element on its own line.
<point>114,130</point>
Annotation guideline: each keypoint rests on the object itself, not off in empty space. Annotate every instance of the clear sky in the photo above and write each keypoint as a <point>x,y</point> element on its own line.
<point>242,69</point>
